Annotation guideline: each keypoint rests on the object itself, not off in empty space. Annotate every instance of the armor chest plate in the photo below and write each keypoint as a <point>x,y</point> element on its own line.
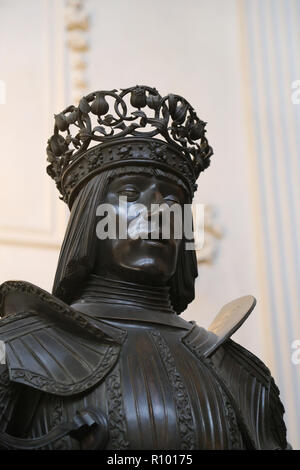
<point>158,396</point>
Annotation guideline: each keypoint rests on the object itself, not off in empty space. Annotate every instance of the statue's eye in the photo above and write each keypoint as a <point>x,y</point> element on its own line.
<point>131,193</point>
<point>171,200</point>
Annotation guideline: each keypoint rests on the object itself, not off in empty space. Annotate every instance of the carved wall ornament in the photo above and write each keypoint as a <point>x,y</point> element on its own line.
<point>77,27</point>
<point>213,233</point>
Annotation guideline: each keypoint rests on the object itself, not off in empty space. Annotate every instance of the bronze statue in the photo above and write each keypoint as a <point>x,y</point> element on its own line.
<point>105,361</point>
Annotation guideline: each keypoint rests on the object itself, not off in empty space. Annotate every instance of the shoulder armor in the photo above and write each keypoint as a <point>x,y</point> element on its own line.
<point>205,342</point>
<point>50,346</point>
<point>255,392</point>
<point>246,377</point>
<point>8,397</point>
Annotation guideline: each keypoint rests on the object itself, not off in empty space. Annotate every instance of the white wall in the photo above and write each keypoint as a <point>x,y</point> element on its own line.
<point>32,66</point>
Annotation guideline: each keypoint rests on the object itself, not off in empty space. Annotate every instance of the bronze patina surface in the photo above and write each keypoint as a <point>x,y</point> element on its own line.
<point>105,361</point>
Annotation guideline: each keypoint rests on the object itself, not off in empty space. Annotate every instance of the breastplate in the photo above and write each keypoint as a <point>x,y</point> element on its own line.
<point>158,396</point>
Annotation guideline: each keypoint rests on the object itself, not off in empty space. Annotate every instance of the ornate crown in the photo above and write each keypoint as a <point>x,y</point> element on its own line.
<point>126,137</point>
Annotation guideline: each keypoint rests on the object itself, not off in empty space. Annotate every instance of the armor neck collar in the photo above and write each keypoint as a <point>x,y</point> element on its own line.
<point>98,289</point>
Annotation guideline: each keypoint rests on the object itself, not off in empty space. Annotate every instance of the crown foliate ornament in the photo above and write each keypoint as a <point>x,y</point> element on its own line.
<point>126,137</point>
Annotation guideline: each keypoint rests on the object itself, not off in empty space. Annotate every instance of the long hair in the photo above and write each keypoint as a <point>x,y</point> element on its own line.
<point>78,251</point>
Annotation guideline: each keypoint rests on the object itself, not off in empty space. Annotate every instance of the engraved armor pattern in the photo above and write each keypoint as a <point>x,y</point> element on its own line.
<point>183,406</point>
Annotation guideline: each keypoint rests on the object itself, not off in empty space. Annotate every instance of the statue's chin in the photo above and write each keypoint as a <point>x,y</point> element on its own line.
<point>145,270</point>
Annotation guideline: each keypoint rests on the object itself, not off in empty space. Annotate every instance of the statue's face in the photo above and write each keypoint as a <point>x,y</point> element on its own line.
<point>132,258</point>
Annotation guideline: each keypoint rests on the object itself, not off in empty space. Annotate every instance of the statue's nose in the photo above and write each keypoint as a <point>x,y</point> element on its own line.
<point>153,201</point>
<point>153,196</point>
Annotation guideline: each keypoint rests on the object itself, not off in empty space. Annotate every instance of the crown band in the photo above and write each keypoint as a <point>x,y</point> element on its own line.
<point>130,151</point>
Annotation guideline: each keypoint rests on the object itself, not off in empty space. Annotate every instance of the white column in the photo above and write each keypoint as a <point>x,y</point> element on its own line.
<point>270,33</point>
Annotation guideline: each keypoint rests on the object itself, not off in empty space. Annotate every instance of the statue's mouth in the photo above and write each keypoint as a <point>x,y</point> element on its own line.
<point>160,242</point>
